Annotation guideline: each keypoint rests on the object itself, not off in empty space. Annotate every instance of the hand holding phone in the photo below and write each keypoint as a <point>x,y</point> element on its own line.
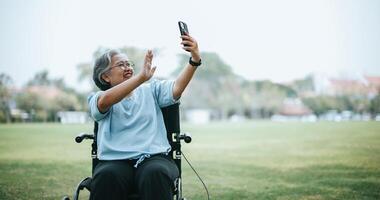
<point>189,42</point>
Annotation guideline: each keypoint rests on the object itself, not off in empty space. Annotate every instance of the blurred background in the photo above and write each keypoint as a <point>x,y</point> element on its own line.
<point>280,60</point>
<point>286,104</point>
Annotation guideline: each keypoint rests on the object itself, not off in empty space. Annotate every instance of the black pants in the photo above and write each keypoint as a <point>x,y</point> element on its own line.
<point>152,179</point>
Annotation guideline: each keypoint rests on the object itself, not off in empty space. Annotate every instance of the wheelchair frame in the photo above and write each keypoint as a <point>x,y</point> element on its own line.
<point>172,123</point>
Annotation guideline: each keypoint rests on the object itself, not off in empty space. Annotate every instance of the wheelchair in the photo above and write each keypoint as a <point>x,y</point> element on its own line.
<point>172,124</point>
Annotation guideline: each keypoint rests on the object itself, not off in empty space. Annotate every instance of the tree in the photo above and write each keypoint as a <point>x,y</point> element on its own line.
<point>5,97</point>
<point>214,69</point>
<point>215,86</point>
<point>375,105</point>
<point>34,104</point>
<point>85,74</point>
<point>303,86</point>
<point>268,97</point>
<point>40,78</point>
<point>43,97</point>
<point>322,104</point>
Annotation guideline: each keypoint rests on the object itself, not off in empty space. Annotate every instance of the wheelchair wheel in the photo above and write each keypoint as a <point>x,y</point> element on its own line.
<point>65,198</point>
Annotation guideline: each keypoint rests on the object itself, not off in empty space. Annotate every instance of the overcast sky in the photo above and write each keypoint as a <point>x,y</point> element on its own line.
<point>277,40</point>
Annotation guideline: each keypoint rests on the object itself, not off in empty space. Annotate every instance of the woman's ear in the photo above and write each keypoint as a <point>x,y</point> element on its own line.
<point>106,78</point>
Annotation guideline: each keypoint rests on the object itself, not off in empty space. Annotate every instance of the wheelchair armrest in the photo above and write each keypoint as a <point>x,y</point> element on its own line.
<point>185,136</point>
<point>79,138</point>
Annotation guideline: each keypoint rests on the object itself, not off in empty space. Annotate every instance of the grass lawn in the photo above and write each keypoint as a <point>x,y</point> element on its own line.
<point>247,160</point>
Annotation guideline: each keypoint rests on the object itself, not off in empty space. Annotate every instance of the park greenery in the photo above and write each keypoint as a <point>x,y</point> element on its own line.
<point>261,160</point>
<point>255,159</point>
<point>215,87</point>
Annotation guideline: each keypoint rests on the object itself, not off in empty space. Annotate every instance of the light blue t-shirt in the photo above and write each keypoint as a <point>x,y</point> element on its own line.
<point>134,127</point>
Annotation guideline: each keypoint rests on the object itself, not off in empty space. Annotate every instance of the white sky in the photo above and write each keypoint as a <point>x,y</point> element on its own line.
<point>269,39</point>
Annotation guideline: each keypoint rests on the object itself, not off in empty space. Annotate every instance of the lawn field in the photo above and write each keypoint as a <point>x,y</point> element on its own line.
<point>245,160</point>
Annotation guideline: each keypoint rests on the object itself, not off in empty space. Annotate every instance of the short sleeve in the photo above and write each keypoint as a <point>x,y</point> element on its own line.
<point>93,106</point>
<point>163,92</point>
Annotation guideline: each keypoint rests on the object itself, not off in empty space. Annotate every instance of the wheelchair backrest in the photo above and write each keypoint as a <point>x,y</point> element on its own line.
<point>171,120</point>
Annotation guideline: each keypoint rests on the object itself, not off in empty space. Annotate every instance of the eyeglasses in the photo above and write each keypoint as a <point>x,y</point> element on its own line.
<point>122,64</point>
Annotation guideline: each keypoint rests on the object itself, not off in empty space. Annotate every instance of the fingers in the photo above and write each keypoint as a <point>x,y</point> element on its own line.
<point>187,40</point>
<point>149,56</point>
<point>188,43</point>
<point>148,59</point>
<point>147,72</point>
<point>187,37</point>
<point>153,70</point>
<point>189,46</point>
<point>187,49</point>
<point>149,53</point>
<point>148,64</point>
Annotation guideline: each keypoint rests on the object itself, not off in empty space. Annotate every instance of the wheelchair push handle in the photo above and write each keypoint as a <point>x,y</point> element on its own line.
<point>185,136</point>
<point>79,138</point>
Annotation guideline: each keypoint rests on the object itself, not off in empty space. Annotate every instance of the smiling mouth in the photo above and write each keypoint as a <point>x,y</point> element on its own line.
<point>128,75</point>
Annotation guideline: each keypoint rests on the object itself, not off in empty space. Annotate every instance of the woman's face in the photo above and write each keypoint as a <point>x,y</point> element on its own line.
<point>121,69</point>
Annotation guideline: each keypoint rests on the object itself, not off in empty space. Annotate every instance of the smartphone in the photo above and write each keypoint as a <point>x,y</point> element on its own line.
<point>183,28</point>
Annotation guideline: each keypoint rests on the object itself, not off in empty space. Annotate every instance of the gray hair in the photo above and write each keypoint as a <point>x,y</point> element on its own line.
<point>102,64</point>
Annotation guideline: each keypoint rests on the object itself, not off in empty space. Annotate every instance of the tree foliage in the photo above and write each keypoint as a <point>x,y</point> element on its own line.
<point>5,97</point>
<point>212,68</point>
<point>215,86</point>
<point>43,97</point>
<point>322,104</point>
<point>375,105</point>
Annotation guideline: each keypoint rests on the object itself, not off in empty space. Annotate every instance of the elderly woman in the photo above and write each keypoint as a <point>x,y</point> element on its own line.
<point>132,143</point>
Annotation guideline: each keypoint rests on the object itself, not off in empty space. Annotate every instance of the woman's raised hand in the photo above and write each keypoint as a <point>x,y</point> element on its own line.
<point>147,71</point>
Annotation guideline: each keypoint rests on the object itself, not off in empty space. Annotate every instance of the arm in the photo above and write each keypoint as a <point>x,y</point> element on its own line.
<point>187,73</point>
<point>120,91</point>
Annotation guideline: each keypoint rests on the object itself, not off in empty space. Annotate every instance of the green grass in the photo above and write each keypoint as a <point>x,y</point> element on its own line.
<point>249,160</point>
